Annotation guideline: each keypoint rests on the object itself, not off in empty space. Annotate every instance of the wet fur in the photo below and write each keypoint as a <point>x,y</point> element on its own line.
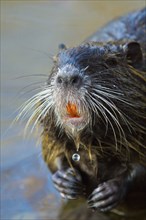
<point>112,97</point>
<point>120,112</point>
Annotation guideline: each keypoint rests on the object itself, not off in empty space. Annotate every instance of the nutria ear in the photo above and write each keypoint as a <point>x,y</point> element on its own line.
<point>62,47</point>
<point>133,53</point>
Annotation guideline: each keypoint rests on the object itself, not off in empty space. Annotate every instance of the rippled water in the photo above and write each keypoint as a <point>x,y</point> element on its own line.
<point>31,32</point>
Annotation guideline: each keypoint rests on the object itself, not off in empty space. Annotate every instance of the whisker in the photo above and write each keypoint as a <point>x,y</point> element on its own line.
<point>45,108</point>
<point>32,84</point>
<point>49,55</point>
<point>113,108</point>
<point>115,97</point>
<point>111,94</point>
<point>30,103</point>
<point>96,107</point>
<point>115,118</point>
<point>28,92</point>
<point>30,75</point>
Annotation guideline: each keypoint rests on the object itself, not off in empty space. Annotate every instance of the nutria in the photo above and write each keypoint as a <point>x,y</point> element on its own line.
<point>93,114</point>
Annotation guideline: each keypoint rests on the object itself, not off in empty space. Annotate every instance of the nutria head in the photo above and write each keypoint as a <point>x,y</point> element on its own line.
<point>87,83</point>
<point>95,90</point>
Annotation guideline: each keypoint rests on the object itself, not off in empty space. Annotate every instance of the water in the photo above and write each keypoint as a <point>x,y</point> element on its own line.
<point>30,34</point>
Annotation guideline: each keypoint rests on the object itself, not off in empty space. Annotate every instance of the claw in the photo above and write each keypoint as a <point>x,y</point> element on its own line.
<point>106,196</point>
<point>68,185</point>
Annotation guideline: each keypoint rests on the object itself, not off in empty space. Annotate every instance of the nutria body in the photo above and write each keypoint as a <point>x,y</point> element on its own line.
<point>94,106</point>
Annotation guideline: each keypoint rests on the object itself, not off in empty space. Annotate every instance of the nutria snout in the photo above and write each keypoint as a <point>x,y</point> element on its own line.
<point>69,76</point>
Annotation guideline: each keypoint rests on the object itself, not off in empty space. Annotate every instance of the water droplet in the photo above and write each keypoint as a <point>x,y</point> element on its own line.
<point>75,157</point>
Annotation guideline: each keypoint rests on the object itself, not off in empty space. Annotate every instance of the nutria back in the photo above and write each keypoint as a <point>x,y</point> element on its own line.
<point>128,27</point>
<point>131,27</point>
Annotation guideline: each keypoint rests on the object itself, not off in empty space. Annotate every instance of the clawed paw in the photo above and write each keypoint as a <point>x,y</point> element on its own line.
<point>106,196</point>
<point>68,183</point>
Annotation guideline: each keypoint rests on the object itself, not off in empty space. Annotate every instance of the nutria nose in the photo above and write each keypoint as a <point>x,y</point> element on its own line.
<point>70,79</point>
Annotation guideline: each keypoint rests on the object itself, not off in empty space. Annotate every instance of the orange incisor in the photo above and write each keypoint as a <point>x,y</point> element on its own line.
<point>72,110</point>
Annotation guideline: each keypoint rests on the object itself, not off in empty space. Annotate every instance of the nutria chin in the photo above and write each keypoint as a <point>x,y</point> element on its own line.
<point>93,114</point>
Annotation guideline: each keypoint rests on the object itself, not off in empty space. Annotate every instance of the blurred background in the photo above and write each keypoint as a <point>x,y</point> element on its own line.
<point>30,34</point>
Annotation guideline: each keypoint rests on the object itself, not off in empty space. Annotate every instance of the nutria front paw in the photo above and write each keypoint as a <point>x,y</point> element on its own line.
<point>107,195</point>
<point>68,183</point>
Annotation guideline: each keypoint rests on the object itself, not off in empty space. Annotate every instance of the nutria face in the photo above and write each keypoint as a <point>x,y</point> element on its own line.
<point>92,88</point>
<point>83,86</point>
